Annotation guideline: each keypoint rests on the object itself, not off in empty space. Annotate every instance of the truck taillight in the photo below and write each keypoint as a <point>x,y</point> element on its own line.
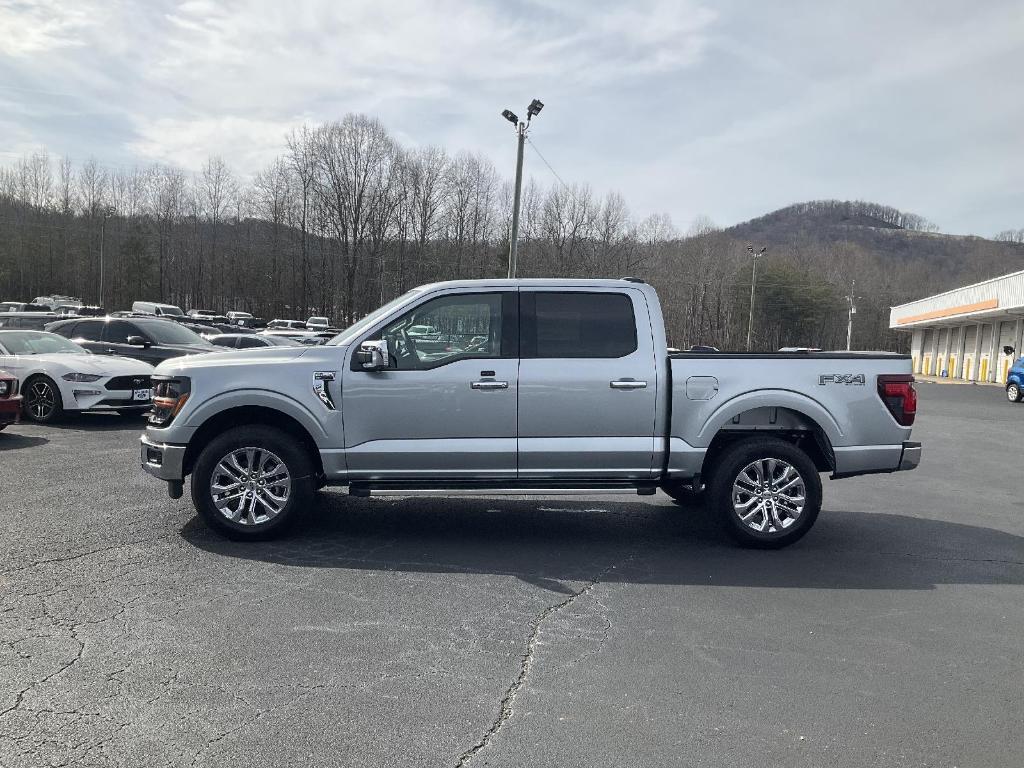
<point>899,396</point>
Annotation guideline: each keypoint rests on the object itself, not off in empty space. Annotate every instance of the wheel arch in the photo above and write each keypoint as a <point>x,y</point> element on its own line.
<point>250,414</point>
<point>788,423</point>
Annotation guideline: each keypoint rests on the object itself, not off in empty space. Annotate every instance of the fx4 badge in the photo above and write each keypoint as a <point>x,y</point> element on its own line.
<point>841,378</point>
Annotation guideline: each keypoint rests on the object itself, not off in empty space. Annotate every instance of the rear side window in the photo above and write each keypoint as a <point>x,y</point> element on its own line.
<point>567,325</point>
<point>248,342</point>
<point>118,332</point>
<point>87,331</point>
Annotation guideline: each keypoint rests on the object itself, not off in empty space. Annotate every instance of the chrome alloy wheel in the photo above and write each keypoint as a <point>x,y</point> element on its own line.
<point>250,486</point>
<point>40,400</point>
<point>1013,393</point>
<point>768,495</point>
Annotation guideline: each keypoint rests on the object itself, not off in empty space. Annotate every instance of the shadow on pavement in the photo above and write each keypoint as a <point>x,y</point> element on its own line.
<point>547,543</point>
<point>10,441</point>
<point>97,422</point>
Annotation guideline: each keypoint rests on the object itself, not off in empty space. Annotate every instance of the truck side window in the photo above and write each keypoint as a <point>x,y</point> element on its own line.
<point>448,328</point>
<point>566,325</point>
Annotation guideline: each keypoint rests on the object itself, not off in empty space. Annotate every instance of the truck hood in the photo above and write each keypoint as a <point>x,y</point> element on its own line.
<point>227,359</point>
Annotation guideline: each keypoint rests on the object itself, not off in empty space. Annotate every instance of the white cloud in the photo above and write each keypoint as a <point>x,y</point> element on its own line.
<point>33,27</point>
<point>245,144</point>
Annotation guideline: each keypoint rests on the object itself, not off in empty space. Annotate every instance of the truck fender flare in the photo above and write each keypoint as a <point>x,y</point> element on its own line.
<point>771,398</point>
<point>260,398</point>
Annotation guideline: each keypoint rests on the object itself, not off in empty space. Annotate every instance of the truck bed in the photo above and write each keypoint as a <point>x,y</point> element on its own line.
<point>834,394</point>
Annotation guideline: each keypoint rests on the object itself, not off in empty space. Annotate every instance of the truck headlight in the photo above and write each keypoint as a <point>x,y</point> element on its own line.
<point>169,396</point>
<point>82,377</point>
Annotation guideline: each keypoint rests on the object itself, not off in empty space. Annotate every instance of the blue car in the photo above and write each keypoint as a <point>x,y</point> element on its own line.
<point>1015,381</point>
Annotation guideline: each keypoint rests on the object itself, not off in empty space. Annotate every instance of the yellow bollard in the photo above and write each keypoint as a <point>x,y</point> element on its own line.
<point>984,369</point>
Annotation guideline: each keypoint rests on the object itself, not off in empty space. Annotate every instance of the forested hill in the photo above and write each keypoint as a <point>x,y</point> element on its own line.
<point>897,237</point>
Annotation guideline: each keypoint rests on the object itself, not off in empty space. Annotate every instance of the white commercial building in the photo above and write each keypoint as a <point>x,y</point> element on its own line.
<point>962,333</point>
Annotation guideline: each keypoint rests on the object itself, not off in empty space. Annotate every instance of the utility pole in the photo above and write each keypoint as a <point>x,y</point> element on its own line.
<point>753,286</point>
<point>513,245</point>
<point>851,311</point>
<point>106,212</point>
<point>521,128</point>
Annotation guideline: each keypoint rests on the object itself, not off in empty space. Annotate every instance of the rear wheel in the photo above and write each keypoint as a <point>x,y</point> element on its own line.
<point>251,482</point>
<point>42,401</point>
<point>765,493</point>
<point>1013,393</point>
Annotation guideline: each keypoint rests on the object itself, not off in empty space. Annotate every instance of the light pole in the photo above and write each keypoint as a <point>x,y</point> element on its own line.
<point>753,285</point>
<point>850,312</point>
<point>105,213</point>
<point>521,128</point>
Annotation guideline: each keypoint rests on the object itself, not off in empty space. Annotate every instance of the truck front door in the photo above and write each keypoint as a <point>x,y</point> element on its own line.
<point>587,384</point>
<point>446,408</point>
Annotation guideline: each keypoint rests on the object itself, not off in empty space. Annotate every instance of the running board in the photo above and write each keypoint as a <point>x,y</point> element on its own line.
<point>365,489</point>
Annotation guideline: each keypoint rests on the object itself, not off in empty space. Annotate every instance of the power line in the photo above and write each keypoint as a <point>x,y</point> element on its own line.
<point>554,172</point>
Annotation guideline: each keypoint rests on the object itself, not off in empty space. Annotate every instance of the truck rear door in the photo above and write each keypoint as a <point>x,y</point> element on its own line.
<point>587,384</point>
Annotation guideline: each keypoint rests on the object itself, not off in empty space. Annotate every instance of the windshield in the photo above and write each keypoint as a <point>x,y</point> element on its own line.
<point>169,332</point>
<point>37,343</point>
<point>346,336</point>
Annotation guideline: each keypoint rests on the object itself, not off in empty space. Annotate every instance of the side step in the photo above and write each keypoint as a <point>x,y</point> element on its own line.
<point>499,488</point>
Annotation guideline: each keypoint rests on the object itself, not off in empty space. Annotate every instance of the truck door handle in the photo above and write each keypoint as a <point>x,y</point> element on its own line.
<point>627,384</point>
<point>489,385</point>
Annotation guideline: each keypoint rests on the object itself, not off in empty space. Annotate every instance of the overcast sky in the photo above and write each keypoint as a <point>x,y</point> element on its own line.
<point>727,109</point>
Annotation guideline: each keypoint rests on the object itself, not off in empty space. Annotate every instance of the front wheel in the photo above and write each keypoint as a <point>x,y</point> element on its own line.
<point>765,493</point>
<point>1013,393</point>
<point>42,402</point>
<point>250,482</point>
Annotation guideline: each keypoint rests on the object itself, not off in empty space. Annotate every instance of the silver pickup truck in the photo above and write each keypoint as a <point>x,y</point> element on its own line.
<point>525,386</point>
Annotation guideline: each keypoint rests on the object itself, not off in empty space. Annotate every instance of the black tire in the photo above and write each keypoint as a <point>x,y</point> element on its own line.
<point>735,460</point>
<point>49,406</point>
<point>1013,393</point>
<point>684,495</point>
<point>282,447</point>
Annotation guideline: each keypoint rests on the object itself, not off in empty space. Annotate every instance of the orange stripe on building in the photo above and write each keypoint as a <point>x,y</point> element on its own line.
<point>963,309</point>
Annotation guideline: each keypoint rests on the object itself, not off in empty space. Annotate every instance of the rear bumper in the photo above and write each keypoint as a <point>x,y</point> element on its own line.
<point>910,457</point>
<point>876,460</point>
<point>163,461</point>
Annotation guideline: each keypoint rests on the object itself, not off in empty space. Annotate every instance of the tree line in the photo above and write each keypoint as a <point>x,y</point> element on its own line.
<point>347,218</point>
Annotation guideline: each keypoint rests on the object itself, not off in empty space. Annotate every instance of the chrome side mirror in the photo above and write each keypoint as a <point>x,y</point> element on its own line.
<point>374,355</point>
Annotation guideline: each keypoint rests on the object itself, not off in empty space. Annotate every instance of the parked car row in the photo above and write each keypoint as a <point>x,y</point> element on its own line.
<point>55,375</point>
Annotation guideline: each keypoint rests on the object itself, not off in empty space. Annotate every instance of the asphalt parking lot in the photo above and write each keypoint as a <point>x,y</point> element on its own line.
<point>606,631</point>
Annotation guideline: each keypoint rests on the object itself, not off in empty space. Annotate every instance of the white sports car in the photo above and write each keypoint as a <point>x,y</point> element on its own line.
<point>57,375</point>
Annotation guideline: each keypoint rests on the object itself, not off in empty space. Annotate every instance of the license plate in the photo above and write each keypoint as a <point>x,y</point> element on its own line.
<point>143,394</point>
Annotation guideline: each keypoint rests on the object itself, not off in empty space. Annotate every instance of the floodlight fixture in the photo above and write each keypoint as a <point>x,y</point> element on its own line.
<point>534,109</point>
<point>511,116</point>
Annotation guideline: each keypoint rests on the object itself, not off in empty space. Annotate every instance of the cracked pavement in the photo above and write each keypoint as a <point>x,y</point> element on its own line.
<point>601,631</point>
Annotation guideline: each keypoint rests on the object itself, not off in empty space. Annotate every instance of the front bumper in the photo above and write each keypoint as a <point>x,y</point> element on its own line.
<point>910,457</point>
<point>163,461</point>
<point>10,410</point>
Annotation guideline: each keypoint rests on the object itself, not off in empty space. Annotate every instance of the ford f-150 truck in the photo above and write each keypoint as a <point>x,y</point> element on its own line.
<point>525,386</point>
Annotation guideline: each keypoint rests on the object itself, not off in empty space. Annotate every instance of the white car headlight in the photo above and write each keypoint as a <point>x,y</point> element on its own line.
<point>81,377</point>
